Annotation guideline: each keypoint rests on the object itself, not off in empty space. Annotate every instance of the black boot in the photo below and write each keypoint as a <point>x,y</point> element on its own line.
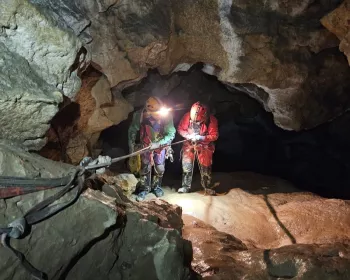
<point>186,182</point>
<point>206,180</point>
<point>157,185</point>
<point>144,187</point>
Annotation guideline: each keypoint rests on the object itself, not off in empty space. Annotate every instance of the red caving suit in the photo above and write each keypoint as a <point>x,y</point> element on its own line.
<point>204,149</point>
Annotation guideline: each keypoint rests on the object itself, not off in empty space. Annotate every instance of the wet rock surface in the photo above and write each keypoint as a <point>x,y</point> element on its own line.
<point>260,227</point>
<point>219,256</point>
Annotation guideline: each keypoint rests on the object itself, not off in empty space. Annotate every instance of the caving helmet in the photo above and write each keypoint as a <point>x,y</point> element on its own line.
<point>199,112</point>
<point>153,106</point>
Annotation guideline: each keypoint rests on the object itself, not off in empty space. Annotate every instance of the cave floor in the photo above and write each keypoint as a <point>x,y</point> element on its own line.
<point>253,215</point>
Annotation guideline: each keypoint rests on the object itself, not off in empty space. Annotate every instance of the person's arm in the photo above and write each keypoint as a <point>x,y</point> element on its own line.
<point>169,132</point>
<point>133,129</point>
<point>182,128</point>
<point>213,130</point>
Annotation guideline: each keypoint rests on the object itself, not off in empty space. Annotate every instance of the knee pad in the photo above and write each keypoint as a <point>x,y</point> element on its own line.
<point>145,169</point>
<point>159,169</point>
<point>187,167</point>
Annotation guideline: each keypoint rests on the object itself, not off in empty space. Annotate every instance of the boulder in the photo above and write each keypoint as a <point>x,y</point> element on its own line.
<point>98,237</point>
<point>125,181</point>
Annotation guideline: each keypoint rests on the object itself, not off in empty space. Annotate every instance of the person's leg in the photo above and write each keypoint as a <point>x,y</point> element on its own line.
<point>205,156</point>
<point>159,168</point>
<point>145,177</point>
<point>187,168</point>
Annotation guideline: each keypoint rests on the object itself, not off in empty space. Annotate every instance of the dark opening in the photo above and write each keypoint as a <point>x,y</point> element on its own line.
<point>316,160</point>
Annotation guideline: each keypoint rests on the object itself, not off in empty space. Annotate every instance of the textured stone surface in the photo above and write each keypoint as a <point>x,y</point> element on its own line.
<point>338,22</point>
<point>127,182</point>
<point>50,50</point>
<point>27,102</point>
<point>37,64</point>
<point>110,109</point>
<point>278,47</point>
<point>218,256</point>
<point>98,237</point>
<point>76,128</point>
<point>266,212</point>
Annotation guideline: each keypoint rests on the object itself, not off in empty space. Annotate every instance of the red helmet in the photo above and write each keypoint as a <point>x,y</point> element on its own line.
<point>198,112</point>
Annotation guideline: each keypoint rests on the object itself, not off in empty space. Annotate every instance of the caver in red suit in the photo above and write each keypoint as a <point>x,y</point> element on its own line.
<point>201,129</point>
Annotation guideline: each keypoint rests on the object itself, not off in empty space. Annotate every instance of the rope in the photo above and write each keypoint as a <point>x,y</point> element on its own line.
<point>139,152</point>
<point>13,186</point>
<point>38,213</point>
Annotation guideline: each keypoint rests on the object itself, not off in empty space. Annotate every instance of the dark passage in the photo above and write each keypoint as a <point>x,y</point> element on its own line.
<point>316,160</point>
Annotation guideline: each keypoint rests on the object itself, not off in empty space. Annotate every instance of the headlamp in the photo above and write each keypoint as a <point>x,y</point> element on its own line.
<point>164,111</point>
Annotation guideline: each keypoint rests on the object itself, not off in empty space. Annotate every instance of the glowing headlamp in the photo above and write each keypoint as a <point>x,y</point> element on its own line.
<point>164,111</point>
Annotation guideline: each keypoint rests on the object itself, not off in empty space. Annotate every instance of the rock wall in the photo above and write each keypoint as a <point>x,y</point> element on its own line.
<point>75,130</point>
<point>37,60</point>
<point>98,237</point>
<point>338,22</point>
<point>280,49</point>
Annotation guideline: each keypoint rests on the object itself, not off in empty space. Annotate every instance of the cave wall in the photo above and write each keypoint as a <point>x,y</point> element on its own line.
<point>280,47</point>
<point>291,63</point>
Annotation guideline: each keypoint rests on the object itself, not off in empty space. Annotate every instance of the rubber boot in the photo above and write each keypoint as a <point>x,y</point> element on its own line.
<point>206,180</point>
<point>144,188</point>
<point>186,182</point>
<point>157,185</point>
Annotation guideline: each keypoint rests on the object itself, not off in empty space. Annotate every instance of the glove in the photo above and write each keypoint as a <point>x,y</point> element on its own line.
<point>101,159</point>
<point>196,137</point>
<point>170,154</point>
<point>155,146</point>
<point>85,161</point>
<point>190,137</point>
<point>199,138</point>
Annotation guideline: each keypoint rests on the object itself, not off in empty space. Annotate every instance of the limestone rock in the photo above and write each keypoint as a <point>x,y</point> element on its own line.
<point>98,237</point>
<point>39,60</point>
<point>127,182</point>
<point>77,148</point>
<point>49,49</point>
<point>219,256</point>
<point>277,47</point>
<point>338,22</point>
<point>109,109</point>
<point>27,102</point>
<point>265,212</point>
<point>246,43</point>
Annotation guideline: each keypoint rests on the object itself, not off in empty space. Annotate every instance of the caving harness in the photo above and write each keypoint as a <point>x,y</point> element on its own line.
<point>15,186</point>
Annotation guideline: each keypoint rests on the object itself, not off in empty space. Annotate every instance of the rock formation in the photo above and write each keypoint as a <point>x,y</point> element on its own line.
<point>219,256</point>
<point>259,227</point>
<point>36,61</point>
<point>276,52</point>
<point>98,237</point>
<point>281,49</point>
<point>75,130</point>
<point>338,22</point>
